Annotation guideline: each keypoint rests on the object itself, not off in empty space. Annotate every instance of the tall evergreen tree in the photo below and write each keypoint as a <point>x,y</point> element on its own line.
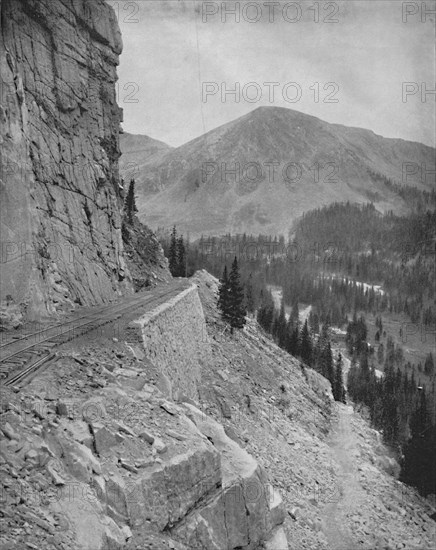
<point>314,322</point>
<point>224,295</point>
<point>328,364</point>
<point>236,298</point>
<point>338,387</point>
<point>279,326</point>
<point>265,313</point>
<point>173,260</point>
<point>306,345</point>
<point>181,257</point>
<point>429,365</point>
<point>380,354</point>
<point>295,314</point>
<point>419,466</point>
<point>294,340</point>
<point>130,203</point>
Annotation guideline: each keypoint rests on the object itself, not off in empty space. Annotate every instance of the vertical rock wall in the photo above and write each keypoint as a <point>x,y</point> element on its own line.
<point>59,185</point>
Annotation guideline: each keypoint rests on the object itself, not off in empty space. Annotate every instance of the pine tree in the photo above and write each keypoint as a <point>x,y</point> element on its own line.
<point>130,203</point>
<point>419,465</point>
<point>429,365</point>
<point>275,325</point>
<point>306,345</point>
<point>181,257</point>
<point>314,322</point>
<point>223,296</point>
<point>294,340</point>
<point>265,313</point>
<point>295,314</point>
<point>236,298</point>
<point>380,354</point>
<point>281,326</point>
<point>317,354</point>
<point>173,261</point>
<point>328,364</point>
<point>338,388</point>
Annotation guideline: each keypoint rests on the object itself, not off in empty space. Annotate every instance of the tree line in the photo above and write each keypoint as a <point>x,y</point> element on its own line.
<point>379,249</point>
<point>313,349</point>
<point>396,252</point>
<point>397,404</point>
<point>298,340</point>
<point>175,250</point>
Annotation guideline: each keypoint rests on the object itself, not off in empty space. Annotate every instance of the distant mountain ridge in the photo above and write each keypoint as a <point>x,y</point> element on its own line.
<point>137,150</point>
<point>260,172</point>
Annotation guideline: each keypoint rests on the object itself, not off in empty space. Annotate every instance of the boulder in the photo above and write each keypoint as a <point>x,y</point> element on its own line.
<point>240,513</point>
<point>79,461</point>
<point>165,386</point>
<point>147,436</point>
<point>159,445</point>
<point>116,494</point>
<point>79,430</point>
<point>92,529</point>
<point>104,438</point>
<point>276,507</point>
<point>278,540</point>
<point>9,431</point>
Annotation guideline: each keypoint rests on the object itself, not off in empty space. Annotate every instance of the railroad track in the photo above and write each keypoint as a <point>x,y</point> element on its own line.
<point>20,364</point>
<point>16,339</point>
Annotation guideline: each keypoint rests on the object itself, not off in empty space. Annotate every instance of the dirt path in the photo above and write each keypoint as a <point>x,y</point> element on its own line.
<point>349,493</point>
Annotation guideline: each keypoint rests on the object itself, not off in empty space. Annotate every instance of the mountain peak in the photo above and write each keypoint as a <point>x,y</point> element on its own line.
<point>260,172</point>
<point>270,111</point>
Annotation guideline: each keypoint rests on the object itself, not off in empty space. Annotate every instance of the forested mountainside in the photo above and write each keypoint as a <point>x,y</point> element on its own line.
<point>370,276</point>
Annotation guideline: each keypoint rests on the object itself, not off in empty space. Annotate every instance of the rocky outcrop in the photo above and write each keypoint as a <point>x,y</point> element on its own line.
<point>144,255</point>
<point>125,467</point>
<point>245,510</point>
<point>60,191</point>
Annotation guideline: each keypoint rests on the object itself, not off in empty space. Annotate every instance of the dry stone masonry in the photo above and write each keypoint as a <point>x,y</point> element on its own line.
<point>175,340</point>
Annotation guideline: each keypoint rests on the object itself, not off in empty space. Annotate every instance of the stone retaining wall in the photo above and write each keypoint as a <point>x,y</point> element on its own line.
<point>175,339</point>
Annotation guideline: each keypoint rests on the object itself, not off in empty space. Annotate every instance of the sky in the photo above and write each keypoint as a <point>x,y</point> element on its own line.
<point>345,62</point>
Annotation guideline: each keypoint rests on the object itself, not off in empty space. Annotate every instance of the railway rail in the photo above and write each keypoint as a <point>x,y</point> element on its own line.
<point>25,357</point>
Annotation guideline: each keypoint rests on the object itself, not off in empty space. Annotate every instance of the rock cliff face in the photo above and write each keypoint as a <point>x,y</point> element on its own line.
<point>60,193</point>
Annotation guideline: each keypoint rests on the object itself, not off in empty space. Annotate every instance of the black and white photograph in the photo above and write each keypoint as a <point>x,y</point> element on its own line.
<point>217,275</point>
